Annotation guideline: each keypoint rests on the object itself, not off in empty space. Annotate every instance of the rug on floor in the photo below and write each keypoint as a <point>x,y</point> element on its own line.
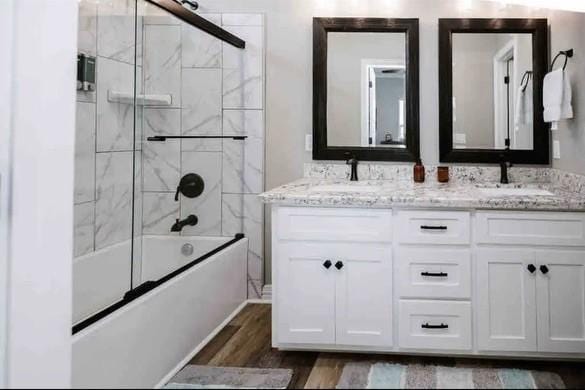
<point>396,376</point>
<point>208,377</point>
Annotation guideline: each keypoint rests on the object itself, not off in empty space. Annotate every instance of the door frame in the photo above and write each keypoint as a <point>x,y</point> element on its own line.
<point>367,68</point>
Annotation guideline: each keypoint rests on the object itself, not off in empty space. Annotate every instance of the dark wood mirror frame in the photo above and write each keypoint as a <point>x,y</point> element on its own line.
<point>540,154</point>
<point>322,26</point>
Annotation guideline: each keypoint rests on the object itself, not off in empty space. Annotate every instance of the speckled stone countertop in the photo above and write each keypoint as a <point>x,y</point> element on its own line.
<point>461,194</point>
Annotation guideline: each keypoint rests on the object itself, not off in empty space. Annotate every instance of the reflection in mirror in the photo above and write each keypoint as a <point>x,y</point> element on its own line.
<point>366,83</point>
<point>493,91</point>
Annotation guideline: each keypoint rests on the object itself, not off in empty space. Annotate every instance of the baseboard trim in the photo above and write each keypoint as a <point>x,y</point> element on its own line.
<point>201,345</point>
<point>267,292</point>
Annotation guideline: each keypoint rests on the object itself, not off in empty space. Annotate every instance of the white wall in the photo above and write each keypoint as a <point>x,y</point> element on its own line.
<point>42,93</point>
<point>5,109</point>
<point>289,70</point>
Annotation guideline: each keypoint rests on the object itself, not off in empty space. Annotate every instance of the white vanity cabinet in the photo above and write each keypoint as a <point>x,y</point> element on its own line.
<point>507,283</point>
<point>333,280</point>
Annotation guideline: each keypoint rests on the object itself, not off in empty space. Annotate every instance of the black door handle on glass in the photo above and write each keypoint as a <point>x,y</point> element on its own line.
<point>544,269</point>
<point>531,268</point>
<point>435,274</point>
<point>339,265</point>
<point>327,264</point>
<point>428,326</point>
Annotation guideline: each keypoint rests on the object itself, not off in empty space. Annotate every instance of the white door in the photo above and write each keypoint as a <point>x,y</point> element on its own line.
<point>306,293</point>
<point>364,294</point>
<point>560,290</point>
<point>506,310</point>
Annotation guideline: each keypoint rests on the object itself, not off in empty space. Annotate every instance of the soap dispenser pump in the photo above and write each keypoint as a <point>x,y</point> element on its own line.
<point>419,172</point>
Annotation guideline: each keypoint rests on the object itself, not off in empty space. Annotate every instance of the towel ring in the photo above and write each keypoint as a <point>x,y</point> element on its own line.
<point>525,79</point>
<point>567,53</point>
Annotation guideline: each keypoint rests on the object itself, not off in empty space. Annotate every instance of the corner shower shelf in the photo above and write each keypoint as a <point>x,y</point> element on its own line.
<point>141,100</point>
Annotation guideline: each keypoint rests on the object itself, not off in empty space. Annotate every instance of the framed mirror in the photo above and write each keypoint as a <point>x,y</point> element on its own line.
<point>491,74</point>
<point>365,89</point>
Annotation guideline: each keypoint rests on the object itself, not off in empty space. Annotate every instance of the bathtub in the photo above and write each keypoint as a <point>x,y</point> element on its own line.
<point>162,255</point>
<point>145,342</point>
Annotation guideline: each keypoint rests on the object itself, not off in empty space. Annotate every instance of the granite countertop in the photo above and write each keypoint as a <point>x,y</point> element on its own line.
<point>391,193</point>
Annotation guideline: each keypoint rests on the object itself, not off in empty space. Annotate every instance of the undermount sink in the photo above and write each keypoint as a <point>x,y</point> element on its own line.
<point>514,192</point>
<point>345,188</point>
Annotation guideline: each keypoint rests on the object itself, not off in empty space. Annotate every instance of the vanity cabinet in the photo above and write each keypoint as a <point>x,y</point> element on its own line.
<point>334,277</point>
<point>504,283</point>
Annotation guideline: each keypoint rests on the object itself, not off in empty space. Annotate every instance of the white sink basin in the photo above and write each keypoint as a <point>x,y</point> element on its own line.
<point>514,192</point>
<point>344,188</point>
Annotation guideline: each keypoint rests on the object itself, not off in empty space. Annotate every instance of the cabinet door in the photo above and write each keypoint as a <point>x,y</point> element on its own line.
<point>561,301</point>
<point>306,293</point>
<point>506,310</point>
<point>364,295</point>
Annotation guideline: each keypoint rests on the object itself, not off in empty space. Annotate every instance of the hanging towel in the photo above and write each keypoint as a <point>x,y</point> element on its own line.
<point>524,106</point>
<point>557,96</point>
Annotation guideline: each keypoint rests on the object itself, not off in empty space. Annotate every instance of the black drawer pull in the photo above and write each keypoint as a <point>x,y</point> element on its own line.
<point>428,326</point>
<point>435,274</point>
<point>425,227</point>
<point>327,264</point>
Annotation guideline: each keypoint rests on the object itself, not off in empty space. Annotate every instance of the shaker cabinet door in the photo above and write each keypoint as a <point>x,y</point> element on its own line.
<point>364,295</point>
<point>560,291</point>
<point>506,300</point>
<point>306,293</point>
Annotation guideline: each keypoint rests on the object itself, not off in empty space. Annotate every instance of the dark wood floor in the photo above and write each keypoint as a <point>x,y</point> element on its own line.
<point>246,342</point>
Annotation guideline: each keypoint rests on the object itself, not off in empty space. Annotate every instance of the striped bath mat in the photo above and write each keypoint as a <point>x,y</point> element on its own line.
<point>207,377</point>
<point>396,376</point>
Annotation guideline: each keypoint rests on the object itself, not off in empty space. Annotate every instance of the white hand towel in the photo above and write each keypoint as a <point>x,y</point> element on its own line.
<point>524,104</point>
<point>557,96</point>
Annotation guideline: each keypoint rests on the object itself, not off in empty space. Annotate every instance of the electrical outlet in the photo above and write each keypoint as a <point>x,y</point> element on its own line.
<point>556,150</point>
<point>309,142</point>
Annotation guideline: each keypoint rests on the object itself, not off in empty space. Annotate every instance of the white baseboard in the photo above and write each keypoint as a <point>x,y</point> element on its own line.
<point>267,292</point>
<point>201,345</point>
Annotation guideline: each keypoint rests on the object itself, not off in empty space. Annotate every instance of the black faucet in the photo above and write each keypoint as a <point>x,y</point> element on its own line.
<point>353,161</point>
<point>504,165</point>
<point>191,220</point>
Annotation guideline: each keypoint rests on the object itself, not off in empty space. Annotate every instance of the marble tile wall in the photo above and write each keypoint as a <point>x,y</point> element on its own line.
<point>105,130</point>
<point>216,90</point>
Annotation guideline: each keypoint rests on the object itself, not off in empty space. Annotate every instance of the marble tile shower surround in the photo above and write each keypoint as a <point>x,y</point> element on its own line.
<point>220,92</point>
<point>460,174</point>
<point>215,90</point>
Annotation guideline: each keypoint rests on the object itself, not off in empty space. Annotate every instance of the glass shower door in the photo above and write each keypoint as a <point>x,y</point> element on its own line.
<point>105,155</point>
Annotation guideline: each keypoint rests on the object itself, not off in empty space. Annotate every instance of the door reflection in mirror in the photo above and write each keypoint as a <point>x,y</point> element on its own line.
<point>366,89</point>
<point>492,91</point>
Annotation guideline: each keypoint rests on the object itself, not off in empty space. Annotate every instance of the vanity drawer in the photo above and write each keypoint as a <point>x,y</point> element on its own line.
<point>533,228</point>
<point>433,227</point>
<point>435,325</point>
<point>335,224</point>
<point>433,274</point>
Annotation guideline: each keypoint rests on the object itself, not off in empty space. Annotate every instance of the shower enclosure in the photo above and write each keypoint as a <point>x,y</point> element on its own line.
<point>169,148</point>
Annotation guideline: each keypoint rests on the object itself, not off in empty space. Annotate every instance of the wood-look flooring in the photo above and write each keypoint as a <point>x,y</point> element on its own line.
<point>246,342</point>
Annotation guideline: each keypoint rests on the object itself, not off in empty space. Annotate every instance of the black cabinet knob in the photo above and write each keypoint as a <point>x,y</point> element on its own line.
<point>339,265</point>
<point>531,268</point>
<point>544,269</point>
<point>327,264</point>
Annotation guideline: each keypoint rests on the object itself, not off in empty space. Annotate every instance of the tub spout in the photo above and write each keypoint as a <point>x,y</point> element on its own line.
<point>191,220</point>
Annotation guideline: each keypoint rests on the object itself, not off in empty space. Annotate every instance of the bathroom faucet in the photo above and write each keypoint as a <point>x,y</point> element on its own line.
<point>353,161</point>
<point>504,165</point>
<point>191,220</point>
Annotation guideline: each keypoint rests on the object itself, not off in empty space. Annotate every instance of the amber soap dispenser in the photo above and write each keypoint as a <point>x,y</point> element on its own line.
<point>419,172</point>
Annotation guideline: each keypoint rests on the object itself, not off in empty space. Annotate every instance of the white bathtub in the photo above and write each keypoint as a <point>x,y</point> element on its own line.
<point>146,341</point>
<point>101,278</point>
<point>162,255</point>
